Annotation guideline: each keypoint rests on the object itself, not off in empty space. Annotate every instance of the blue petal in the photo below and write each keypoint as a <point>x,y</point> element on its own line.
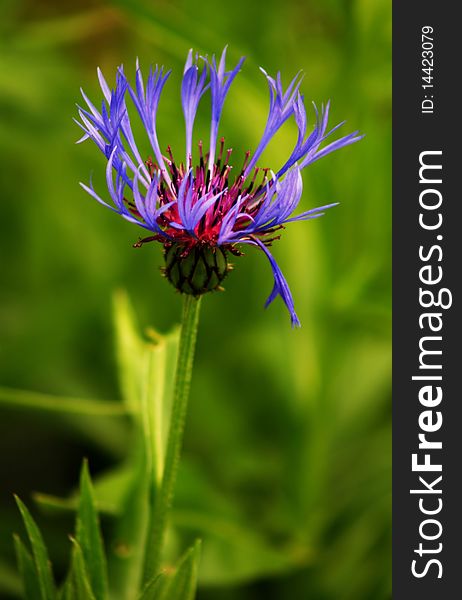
<point>307,151</point>
<point>89,189</point>
<point>201,207</point>
<point>311,214</point>
<point>147,206</point>
<point>289,192</point>
<point>220,82</point>
<point>105,128</point>
<point>281,108</point>
<point>117,193</point>
<point>282,198</point>
<point>227,235</point>
<point>185,202</point>
<point>146,102</point>
<point>192,89</point>
<point>340,143</point>
<point>104,86</point>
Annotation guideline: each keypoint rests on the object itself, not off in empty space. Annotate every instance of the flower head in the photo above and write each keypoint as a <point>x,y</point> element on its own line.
<point>201,212</point>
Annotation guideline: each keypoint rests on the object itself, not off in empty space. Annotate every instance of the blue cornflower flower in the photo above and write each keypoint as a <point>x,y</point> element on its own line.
<point>199,213</point>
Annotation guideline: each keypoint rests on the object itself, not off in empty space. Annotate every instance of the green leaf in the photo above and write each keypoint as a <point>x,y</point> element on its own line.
<point>146,375</point>
<point>88,536</point>
<point>10,580</point>
<point>126,557</point>
<point>232,553</point>
<point>26,400</point>
<point>130,349</point>
<point>40,555</point>
<point>102,422</point>
<point>30,580</point>
<point>110,489</point>
<point>77,586</point>
<point>181,585</point>
<point>152,590</point>
<point>156,400</point>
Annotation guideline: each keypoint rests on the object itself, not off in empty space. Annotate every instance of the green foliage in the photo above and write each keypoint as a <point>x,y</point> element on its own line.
<point>78,585</point>
<point>147,387</point>
<point>285,475</point>
<point>46,403</point>
<point>181,583</point>
<point>36,569</point>
<point>87,576</point>
<point>127,555</point>
<point>28,572</point>
<point>143,498</point>
<point>169,467</point>
<point>88,538</point>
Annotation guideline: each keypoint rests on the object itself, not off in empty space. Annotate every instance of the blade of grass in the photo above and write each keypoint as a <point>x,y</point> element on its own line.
<point>146,369</point>
<point>234,553</point>
<point>88,536</point>
<point>10,580</point>
<point>21,399</point>
<point>184,582</point>
<point>152,590</point>
<point>77,586</point>
<point>29,577</point>
<point>107,430</point>
<point>110,489</point>
<point>39,553</point>
<point>155,403</point>
<point>126,557</point>
<point>181,584</point>
<point>130,348</point>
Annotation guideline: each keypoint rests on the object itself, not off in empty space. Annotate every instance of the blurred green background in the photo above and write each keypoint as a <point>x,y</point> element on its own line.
<point>287,451</point>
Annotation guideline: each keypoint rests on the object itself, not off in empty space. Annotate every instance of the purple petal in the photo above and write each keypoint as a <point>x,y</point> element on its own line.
<point>341,143</point>
<point>201,207</point>
<point>89,189</point>
<point>104,86</point>
<point>192,89</point>
<point>281,287</point>
<point>220,82</point>
<point>311,214</point>
<point>281,108</point>
<point>185,202</point>
<point>146,103</point>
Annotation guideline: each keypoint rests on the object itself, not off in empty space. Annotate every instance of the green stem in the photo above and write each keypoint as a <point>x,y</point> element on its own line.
<point>164,495</point>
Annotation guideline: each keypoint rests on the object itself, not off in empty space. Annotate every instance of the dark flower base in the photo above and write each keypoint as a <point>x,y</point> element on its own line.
<point>196,271</point>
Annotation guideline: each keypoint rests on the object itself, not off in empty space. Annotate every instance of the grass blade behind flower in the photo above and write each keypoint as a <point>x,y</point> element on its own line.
<point>77,586</point>
<point>30,581</point>
<point>179,585</point>
<point>146,375</point>
<point>41,561</point>
<point>126,552</point>
<point>60,405</point>
<point>88,537</point>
